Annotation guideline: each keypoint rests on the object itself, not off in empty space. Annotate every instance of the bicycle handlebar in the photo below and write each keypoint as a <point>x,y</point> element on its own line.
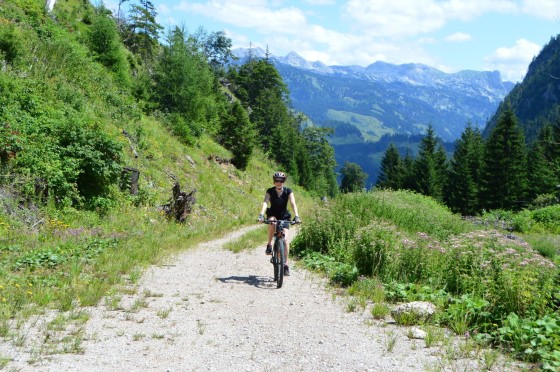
<point>274,222</point>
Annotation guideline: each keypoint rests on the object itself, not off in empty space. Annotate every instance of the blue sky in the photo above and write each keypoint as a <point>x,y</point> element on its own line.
<point>450,35</point>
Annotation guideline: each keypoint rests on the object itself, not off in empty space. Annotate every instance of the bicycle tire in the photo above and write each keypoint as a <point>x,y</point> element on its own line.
<point>280,263</point>
<point>274,260</point>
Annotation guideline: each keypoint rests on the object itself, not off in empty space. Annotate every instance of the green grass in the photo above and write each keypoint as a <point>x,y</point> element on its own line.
<point>249,240</point>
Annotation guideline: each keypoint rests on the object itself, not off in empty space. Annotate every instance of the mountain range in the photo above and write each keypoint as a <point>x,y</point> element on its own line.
<point>365,103</point>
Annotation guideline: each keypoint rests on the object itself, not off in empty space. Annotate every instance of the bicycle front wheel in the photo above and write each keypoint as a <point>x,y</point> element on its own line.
<point>279,264</point>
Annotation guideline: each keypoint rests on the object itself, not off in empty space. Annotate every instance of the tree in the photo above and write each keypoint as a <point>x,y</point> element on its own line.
<point>238,135</point>
<point>217,48</point>
<point>430,167</point>
<point>353,178</point>
<point>464,183</point>
<point>318,154</point>
<point>105,42</point>
<point>392,171</point>
<point>142,32</point>
<point>185,87</point>
<point>544,162</point>
<point>504,174</point>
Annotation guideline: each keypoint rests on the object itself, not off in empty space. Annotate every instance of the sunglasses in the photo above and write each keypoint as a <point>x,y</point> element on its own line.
<point>281,181</point>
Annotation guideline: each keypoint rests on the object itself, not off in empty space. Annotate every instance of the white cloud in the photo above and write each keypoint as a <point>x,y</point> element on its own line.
<point>320,2</point>
<point>398,18</point>
<point>458,37</point>
<point>547,9</point>
<point>250,14</point>
<point>512,62</point>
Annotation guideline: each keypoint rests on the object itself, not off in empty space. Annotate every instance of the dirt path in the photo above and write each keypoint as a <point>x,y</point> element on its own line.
<point>212,310</point>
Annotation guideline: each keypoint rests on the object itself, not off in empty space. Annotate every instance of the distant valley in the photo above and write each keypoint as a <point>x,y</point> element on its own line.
<point>364,104</point>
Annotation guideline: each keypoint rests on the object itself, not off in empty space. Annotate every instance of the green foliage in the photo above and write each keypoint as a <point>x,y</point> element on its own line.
<point>504,175</point>
<point>533,339</point>
<point>106,44</point>
<point>464,182</point>
<point>391,173</point>
<point>185,88</point>
<point>238,135</point>
<point>430,167</point>
<point>540,81</point>
<point>353,178</point>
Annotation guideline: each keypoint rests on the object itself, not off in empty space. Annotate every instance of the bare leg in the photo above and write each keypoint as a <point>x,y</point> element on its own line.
<point>271,229</point>
<point>287,247</point>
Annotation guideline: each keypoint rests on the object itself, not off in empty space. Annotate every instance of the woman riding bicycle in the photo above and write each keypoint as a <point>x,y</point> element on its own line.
<point>278,197</point>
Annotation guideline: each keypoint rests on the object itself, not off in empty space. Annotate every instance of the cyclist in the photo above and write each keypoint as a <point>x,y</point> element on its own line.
<point>278,197</point>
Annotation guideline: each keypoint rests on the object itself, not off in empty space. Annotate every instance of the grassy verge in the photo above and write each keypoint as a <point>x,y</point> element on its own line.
<point>484,282</point>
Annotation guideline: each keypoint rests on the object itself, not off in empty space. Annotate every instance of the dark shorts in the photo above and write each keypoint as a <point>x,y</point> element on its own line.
<point>279,216</point>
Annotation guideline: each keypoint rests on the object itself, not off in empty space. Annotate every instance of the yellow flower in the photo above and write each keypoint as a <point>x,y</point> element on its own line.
<point>31,285</point>
<point>1,287</point>
<point>3,299</point>
<point>17,285</point>
<point>29,292</point>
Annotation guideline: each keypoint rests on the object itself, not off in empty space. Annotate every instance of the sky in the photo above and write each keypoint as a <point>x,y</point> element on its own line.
<point>450,35</point>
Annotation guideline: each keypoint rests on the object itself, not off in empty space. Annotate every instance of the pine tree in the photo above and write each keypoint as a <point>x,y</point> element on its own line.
<point>505,165</point>
<point>391,175</point>
<point>185,87</point>
<point>238,135</point>
<point>142,32</point>
<point>544,163</point>
<point>430,167</point>
<point>463,187</point>
<point>353,178</point>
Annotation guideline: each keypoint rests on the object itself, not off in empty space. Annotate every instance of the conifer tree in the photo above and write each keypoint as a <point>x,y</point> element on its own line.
<point>408,179</point>
<point>391,173</point>
<point>463,187</point>
<point>544,163</point>
<point>430,167</point>
<point>142,32</point>
<point>505,165</point>
<point>238,135</point>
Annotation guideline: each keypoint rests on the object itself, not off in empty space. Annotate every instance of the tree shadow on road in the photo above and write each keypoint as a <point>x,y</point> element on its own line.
<point>263,282</point>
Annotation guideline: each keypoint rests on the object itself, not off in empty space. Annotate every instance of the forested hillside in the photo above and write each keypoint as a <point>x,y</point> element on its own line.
<point>81,86</point>
<point>536,99</point>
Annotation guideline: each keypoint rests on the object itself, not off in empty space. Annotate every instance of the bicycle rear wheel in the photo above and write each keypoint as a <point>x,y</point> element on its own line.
<point>279,264</point>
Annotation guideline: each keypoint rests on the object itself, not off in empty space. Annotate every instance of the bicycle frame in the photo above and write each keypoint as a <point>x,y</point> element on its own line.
<point>278,251</point>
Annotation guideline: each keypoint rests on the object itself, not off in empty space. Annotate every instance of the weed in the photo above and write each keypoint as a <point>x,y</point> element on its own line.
<point>434,336</point>
<point>380,310</point>
<point>138,336</point>
<point>164,313</point>
<point>201,327</point>
<point>352,305</point>
<point>138,304</point>
<point>489,358</point>
<point>390,341</point>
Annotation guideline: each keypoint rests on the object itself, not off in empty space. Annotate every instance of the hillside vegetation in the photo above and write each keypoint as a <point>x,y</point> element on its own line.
<point>394,246</point>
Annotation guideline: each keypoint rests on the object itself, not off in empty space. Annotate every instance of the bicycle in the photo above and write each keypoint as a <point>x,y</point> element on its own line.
<point>278,258</point>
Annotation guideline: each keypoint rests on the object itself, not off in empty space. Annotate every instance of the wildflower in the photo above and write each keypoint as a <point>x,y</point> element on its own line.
<point>17,285</point>
<point>29,292</point>
<point>1,287</point>
<point>3,299</point>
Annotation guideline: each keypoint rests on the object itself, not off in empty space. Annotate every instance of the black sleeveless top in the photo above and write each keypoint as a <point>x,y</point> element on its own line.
<point>279,204</point>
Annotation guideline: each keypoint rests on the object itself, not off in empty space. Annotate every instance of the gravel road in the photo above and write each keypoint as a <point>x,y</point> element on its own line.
<point>212,310</point>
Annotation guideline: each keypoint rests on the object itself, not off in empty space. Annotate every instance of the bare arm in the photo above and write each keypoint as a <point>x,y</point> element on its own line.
<point>265,203</point>
<point>293,204</point>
